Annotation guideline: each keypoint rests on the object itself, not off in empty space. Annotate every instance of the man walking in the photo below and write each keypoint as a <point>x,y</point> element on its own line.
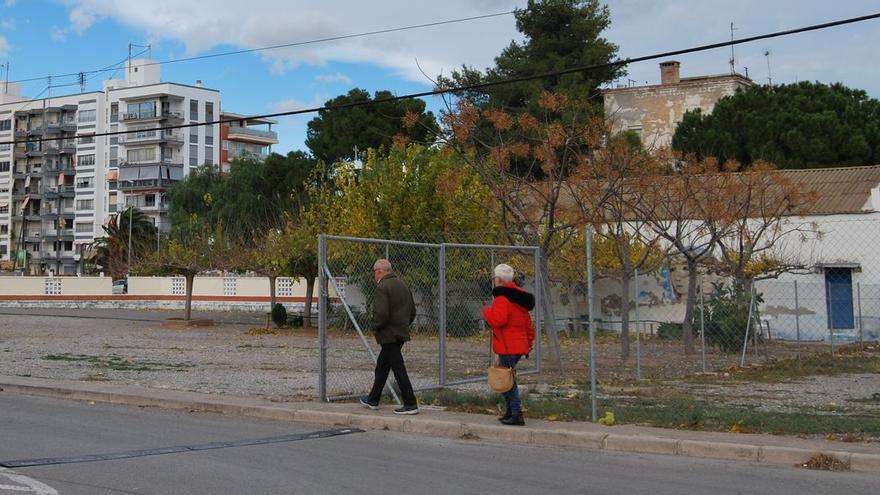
<point>393,312</point>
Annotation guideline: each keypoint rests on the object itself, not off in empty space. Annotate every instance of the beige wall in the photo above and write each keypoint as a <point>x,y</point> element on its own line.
<point>216,286</point>
<point>655,111</point>
<point>43,286</point>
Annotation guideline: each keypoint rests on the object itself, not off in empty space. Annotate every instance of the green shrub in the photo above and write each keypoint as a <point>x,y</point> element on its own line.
<point>295,321</point>
<point>670,331</point>
<point>727,315</point>
<point>279,315</point>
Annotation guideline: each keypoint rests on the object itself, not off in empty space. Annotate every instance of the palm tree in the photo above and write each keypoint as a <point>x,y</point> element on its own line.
<point>111,250</point>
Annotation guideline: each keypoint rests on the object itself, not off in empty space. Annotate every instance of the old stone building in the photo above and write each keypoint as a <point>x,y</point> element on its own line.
<point>654,111</point>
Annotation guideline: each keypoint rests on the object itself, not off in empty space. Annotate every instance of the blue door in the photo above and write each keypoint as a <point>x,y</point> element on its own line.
<point>839,298</point>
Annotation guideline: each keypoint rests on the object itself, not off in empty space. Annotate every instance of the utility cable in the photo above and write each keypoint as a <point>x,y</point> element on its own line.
<point>288,45</point>
<point>491,84</point>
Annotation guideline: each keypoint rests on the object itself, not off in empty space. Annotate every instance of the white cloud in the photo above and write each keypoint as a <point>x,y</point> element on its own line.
<point>334,78</point>
<point>258,23</point>
<point>9,24</point>
<point>292,104</point>
<point>4,46</point>
<point>9,3</point>
<point>638,26</point>
<point>58,34</point>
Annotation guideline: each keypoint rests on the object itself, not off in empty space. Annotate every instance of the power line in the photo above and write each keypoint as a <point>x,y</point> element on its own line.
<point>289,45</point>
<point>490,84</point>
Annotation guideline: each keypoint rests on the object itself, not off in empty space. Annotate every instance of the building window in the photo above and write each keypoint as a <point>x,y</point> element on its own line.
<point>2,249</point>
<point>209,111</point>
<point>87,140</point>
<point>193,109</point>
<point>5,147</point>
<point>85,204</point>
<point>5,125</point>
<point>193,155</point>
<point>114,140</point>
<point>142,110</point>
<point>83,228</point>
<point>4,166</point>
<point>150,200</point>
<point>194,136</point>
<point>141,155</point>
<point>4,229</point>
<point>87,116</point>
<point>84,182</point>
<point>114,112</point>
<point>85,160</point>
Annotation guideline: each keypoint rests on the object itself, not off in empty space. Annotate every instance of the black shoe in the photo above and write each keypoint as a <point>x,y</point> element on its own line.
<point>506,416</point>
<point>408,410</point>
<point>514,420</point>
<point>365,401</point>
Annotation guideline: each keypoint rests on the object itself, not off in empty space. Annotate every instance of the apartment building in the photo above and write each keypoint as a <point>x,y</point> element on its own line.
<point>245,136</point>
<point>56,195</point>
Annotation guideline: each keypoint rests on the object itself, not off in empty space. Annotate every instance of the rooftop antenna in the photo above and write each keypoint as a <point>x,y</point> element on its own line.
<point>769,74</point>
<point>747,71</point>
<point>732,54</point>
<point>6,81</point>
<point>133,45</point>
<point>82,82</point>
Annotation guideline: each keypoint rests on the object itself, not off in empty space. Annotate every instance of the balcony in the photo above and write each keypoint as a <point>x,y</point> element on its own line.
<point>145,184</point>
<point>150,163</point>
<point>63,191</point>
<point>58,235</point>
<point>237,133</point>
<point>151,138</point>
<point>20,133</point>
<point>147,116</point>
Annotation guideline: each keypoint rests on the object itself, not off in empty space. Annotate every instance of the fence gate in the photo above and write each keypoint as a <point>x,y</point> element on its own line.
<point>450,284</point>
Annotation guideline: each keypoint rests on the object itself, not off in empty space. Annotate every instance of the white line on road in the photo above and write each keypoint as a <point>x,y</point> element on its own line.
<point>30,485</point>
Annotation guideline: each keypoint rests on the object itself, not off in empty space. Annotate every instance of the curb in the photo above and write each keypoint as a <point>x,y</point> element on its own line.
<point>612,442</point>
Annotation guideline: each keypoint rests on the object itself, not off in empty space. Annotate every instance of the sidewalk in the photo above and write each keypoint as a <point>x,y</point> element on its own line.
<point>863,457</point>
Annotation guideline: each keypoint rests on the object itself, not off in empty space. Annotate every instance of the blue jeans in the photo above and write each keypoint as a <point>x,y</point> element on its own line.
<point>511,397</point>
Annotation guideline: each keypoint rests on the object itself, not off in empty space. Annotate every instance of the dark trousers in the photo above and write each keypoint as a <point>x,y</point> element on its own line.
<point>390,359</point>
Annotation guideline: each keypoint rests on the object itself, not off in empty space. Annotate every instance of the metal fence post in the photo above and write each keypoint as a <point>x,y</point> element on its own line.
<point>593,407</point>
<point>748,328</point>
<point>702,325</point>
<point>539,315</point>
<point>638,333</point>
<point>797,320</point>
<point>859,299</point>
<point>322,318</point>
<point>829,303</point>
<point>754,314</point>
<point>441,260</point>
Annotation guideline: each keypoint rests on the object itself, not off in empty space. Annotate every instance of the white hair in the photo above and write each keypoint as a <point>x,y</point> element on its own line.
<point>504,273</point>
<point>382,264</point>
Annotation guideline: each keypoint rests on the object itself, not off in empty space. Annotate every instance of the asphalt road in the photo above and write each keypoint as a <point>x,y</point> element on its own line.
<point>360,462</point>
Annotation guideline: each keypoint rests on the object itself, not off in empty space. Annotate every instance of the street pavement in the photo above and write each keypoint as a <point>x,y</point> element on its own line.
<point>371,462</point>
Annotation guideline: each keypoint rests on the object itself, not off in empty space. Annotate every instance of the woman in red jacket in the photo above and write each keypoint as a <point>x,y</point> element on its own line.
<point>512,332</point>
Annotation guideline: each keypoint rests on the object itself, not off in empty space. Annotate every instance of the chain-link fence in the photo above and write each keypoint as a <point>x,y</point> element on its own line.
<point>664,333</point>
<point>450,284</point>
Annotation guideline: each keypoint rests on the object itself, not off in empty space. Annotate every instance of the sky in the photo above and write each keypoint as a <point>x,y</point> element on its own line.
<point>51,37</point>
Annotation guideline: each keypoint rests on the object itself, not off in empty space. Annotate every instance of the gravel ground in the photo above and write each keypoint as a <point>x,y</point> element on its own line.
<point>835,394</point>
<point>132,348</point>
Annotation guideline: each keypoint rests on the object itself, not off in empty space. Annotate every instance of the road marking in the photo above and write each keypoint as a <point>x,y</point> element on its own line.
<point>129,454</point>
<point>25,484</point>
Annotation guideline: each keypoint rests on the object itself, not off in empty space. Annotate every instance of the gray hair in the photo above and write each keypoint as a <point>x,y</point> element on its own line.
<point>504,273</point>
<point>382,264</point>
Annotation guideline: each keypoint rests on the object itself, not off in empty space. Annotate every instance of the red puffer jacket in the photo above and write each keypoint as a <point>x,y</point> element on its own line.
<point>512,329</point>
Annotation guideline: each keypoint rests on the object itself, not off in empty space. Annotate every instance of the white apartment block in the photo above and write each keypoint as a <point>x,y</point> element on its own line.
<point>56,195</point>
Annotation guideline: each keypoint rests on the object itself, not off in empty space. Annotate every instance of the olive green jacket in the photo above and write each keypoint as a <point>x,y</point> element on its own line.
<point>393,311</point>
